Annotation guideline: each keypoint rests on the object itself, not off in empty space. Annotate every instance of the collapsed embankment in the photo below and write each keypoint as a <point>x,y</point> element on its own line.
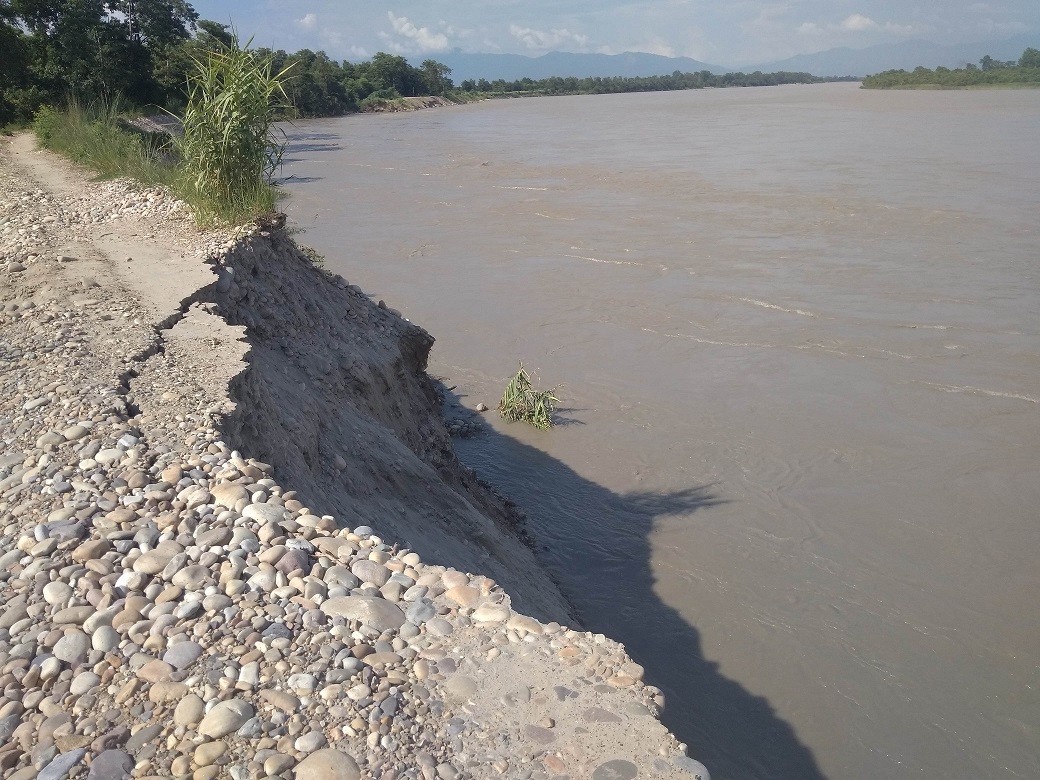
<point>234,539</point>
<point>395,105</point>
<point>336,397</point>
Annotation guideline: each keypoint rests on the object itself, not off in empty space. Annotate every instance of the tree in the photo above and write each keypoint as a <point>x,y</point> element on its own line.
<point>435,76</point>
<point>157,22</point>
<point>1030,58</point>
<point>15,89</point>
<point>92,49</point>
<point>214,35</point>
<point>394,72</point>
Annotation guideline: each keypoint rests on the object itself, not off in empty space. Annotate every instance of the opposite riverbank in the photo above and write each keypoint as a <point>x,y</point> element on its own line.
<point>235,540</point>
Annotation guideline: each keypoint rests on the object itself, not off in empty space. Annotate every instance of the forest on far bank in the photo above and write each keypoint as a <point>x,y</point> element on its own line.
<point>600,85</point>
<point>988,73</point>
<point>140,52</point>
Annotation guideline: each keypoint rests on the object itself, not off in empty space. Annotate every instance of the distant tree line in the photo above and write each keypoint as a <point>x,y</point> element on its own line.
<point>598,85</point>
<point>140,52</point>
<point>320,86</point>
<point>989,72</point>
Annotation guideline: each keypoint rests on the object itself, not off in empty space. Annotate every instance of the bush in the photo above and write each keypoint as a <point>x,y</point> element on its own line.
<point>521,402</point>
<point>229,149</point>
<point>46,124</point>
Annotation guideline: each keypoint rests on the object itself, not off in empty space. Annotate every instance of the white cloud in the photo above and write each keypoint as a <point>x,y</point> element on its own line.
<point>855,24</point>
<point>547,39</point>
<point>900,29</point>
<point>422,38</point>
<point>308,22</point>
<point>859,23</point>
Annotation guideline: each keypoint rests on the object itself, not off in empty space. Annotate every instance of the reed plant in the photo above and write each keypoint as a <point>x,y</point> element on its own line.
<point>230,148</point>
<point>521,402</point>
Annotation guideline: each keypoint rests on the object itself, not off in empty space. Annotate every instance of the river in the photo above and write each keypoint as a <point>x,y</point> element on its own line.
<point>797,336</point>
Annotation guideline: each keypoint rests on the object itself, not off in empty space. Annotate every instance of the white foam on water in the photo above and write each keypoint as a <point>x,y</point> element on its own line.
<point>767,305</point>
<point>979,391</point>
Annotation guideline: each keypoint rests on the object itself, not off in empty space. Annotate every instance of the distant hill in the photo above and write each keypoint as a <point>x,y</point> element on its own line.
<point>905,55</point>
<point>843,61</point>
<point>512,67</point>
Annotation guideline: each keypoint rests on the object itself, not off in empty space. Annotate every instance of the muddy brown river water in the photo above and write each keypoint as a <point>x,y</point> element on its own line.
<point>798,336</point>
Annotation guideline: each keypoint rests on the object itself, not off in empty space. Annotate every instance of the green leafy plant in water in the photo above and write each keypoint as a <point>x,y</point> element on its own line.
<point>316,258</point>
<point>521,402</point>
<point>229,149</point>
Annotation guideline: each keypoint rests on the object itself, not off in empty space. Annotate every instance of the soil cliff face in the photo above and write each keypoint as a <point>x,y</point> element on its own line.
<point>336,397</point>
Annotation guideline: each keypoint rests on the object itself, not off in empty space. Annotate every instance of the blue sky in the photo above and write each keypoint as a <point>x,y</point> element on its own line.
<point>727,33</point>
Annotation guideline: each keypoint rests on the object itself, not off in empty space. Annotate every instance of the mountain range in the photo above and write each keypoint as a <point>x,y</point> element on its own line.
<point>513,67</point>
<point>905,55</point>
<point>834,62</point>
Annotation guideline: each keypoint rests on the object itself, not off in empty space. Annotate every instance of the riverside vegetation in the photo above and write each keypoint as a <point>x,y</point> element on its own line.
<point>600,85</point>
<point>143,51</point>
<point>223,163</point>
<point>989,73</point>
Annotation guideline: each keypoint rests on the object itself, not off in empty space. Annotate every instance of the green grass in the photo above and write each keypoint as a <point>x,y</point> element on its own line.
<point>92,135</point>
<point>962,87</point>
<point>224,163</point>
<point>522,403</point>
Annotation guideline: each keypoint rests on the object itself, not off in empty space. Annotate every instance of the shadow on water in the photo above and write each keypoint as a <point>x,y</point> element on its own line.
<point>299,179</point>
<point>596,543</point>
<point>299,146</point>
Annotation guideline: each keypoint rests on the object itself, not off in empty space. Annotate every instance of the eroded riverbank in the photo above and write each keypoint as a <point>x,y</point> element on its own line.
<point>219,465</point>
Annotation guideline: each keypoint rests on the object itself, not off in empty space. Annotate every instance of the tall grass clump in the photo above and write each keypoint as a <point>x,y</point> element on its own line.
<point>229,149</point>
<point>521,402</point>
<point>91,134</point>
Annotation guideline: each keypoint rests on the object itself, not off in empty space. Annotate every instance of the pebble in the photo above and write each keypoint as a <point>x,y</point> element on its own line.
<point>61,765</point>
<point>310,742</point>
<point>209,753</point>
<point>328,765</point>
<point>618,769</point>
<point>72,648</point>
<point>224,718</point>
<point>491,613</point>
<point>189,710</point>
<point>183,654</point>
<point>57,593</point>
<point>84,682</point>
<point>105,639</point>
<point>111,765</point>
<point>377,614</point>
